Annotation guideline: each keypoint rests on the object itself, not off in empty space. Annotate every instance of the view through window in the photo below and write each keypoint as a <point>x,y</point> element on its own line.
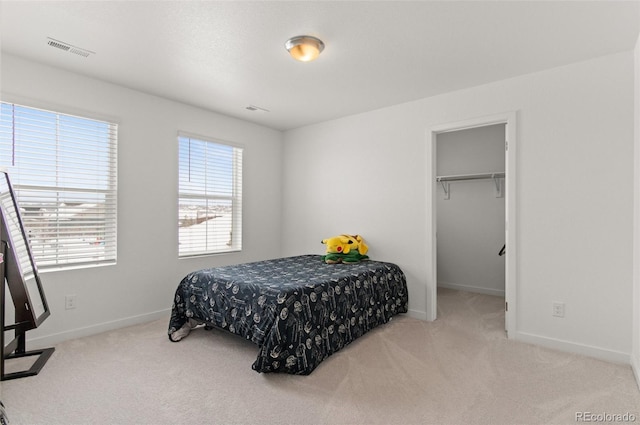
<point>210,197</point>
<point>63,169</point>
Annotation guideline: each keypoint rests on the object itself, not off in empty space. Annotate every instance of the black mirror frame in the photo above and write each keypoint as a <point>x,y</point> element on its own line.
<point>26,316</point>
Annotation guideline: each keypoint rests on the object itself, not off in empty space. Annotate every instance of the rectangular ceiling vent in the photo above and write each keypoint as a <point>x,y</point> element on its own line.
<point>68,47</point>
<point>58,45</point>
<point>254,108</point>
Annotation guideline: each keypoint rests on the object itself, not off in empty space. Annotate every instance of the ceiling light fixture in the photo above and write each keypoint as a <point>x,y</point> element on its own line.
<point>304,48</point>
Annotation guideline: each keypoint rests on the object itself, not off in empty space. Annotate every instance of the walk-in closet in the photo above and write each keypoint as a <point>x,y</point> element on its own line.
<point>470,168</point>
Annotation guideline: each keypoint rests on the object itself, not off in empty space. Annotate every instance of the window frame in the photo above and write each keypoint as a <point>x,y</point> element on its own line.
<point>63,262</point>
<point>236,200</point>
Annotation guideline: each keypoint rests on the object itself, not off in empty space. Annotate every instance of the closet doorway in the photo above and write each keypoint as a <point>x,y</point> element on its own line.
<point>472,171</point>
<point>470,209</point>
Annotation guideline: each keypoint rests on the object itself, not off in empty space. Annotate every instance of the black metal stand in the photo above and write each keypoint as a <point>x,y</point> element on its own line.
<point>43,356</point>
<point>10,353</point>
<point>17,347</point>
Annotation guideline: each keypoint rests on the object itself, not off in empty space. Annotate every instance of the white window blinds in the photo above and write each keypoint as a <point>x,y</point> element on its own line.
<point>63,169</point>
<point>210,197</point>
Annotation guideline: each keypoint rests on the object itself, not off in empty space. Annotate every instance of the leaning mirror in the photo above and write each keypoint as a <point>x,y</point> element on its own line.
<point>20,269</point>
<point>19,274</point>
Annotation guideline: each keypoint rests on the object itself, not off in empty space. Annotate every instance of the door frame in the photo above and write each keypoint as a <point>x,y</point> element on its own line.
<point>509,119</point>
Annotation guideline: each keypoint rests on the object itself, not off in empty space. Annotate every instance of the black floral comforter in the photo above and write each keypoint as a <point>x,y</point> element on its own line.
<point>298,310</point>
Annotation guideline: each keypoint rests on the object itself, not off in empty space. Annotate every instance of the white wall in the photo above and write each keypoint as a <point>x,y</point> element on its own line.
<point>141,285</point>
<point>366,174</point>
<point>471,223</point>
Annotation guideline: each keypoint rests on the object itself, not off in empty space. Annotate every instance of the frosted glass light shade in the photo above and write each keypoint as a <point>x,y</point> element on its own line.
<point>304,48</point>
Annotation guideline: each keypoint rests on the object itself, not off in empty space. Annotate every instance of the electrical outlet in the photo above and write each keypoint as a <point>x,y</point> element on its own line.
<point>558,309</point>
<point>70,302</point>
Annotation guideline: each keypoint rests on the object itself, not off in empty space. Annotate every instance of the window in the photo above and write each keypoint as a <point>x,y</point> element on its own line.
<point>63,169</point>
<point>210,197</point>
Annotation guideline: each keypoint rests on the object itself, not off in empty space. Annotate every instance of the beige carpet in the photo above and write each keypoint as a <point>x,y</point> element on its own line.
<point>457,370</point>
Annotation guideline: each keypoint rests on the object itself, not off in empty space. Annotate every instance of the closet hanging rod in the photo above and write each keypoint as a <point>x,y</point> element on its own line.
<point>470,177</point>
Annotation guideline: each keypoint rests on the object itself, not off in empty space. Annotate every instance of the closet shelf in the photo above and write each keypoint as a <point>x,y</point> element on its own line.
<point>470,177</point>
<point>496,176</point>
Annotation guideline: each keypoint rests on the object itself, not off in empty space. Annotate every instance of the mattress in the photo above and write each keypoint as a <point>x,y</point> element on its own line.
<point>297,310</point>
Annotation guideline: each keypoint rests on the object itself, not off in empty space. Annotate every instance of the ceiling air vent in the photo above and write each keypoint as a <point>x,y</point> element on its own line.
<point>254,108</point>
<point>58,45</point>
<point>68,47</point>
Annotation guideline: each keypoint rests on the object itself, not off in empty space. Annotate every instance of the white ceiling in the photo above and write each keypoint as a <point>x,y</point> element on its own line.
<point>226,55</point>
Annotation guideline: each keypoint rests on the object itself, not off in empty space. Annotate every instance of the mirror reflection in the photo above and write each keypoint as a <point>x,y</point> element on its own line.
<point>26,271</point>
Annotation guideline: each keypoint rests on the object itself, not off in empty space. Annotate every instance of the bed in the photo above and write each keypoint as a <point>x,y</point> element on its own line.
<point>298,310</point>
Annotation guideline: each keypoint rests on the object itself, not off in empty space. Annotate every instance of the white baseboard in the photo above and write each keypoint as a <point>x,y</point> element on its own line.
<point>52,340</point>
<point>476,289</point>
<point>572,347</point>
<point>635,365</point>
<point>416,314</point>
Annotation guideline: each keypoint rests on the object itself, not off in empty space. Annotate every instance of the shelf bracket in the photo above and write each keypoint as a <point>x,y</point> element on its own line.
<point>498,181</point>
<point>447,190</point>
